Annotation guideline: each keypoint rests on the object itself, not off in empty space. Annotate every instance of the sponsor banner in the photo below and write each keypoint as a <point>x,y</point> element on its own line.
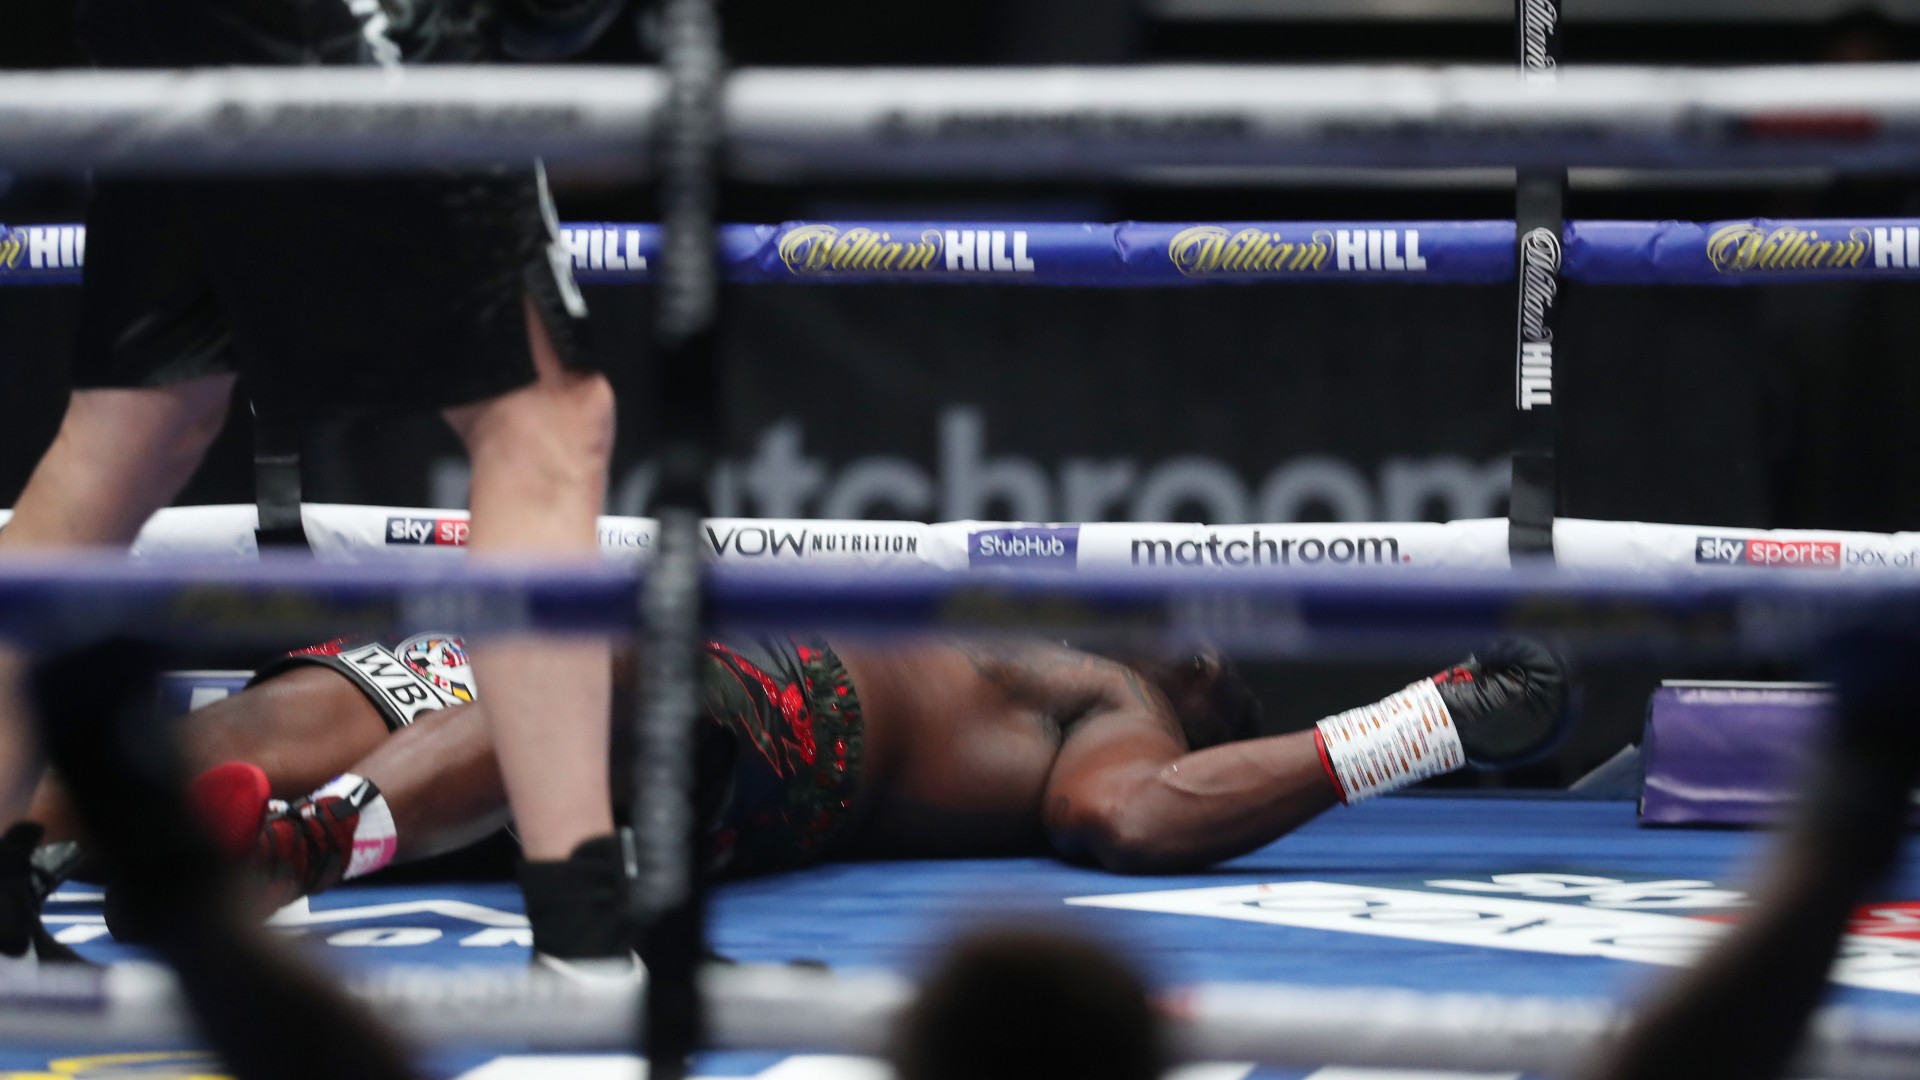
<point>778,543</point>
<point>427,531</point>
<point>42,254</point>
<point>1129,253</point>
<point>1642,545</point>
<point>343,533</point>
<point>1750,252</point>
<point>1255,548</point>
<point>1742,252</point>
<point>1049,547</point>
<point>1021,253</point>
<point>1665,922</point>
<point>1766,551</point>
<point>1450,251</point>
<point>1036,253</point>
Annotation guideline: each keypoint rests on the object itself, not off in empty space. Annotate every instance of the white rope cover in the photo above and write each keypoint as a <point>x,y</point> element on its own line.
<point>347,533</point>
<point>984,122</point>
<point>795,1010</point>
<point>305,118</point>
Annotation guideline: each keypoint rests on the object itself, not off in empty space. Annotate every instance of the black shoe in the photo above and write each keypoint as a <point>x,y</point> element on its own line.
<point>24,940</point>
<point>577,906</point>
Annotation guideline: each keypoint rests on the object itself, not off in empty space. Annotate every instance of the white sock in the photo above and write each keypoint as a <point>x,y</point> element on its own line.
<point>374,838</point>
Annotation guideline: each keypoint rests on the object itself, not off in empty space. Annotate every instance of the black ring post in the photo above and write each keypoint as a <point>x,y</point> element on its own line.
<point>668,904</point>
<point>276,485</point>
<point>1539,216</point>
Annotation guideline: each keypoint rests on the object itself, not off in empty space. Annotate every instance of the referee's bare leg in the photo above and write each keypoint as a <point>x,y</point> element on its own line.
<point>120,454</point>
<point>539,458</point>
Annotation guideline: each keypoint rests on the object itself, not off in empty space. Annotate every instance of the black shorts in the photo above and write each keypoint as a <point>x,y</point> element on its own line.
<point>404,678</point>
<point>330,295</point>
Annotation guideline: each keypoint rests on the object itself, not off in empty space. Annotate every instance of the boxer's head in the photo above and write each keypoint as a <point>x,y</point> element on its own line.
<point>1208,694</point>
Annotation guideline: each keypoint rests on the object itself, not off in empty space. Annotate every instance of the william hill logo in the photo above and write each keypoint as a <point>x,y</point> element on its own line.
<point>1747,247</point>
<point>830,249</point>
<point>1202,250</point>
<point>43,247</point>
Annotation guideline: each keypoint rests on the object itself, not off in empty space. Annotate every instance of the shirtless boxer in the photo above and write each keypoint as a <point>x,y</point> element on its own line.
<point>924,749</point>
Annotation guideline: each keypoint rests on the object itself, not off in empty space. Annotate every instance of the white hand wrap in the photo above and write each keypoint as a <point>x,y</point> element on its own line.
<point>1403,737</point>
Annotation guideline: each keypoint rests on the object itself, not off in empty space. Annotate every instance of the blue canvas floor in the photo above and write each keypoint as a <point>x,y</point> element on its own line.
<point>1555,898</point>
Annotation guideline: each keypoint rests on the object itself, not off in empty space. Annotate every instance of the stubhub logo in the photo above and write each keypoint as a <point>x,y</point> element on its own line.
<point>1025,547</point>
<point>450,532</point>
<point>1792,554</point>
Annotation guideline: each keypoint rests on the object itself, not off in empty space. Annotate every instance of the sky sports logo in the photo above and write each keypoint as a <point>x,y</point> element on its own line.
<point>1056,548</point>
<point>446,532</point>
<point>1784,554</point>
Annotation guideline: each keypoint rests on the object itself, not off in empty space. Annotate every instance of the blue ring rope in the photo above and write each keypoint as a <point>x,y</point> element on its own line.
<point>1755,251</point>
<point>49,601</point>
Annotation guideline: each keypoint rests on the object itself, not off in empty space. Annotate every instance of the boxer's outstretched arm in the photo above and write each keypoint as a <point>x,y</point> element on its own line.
<point>1126,793</point>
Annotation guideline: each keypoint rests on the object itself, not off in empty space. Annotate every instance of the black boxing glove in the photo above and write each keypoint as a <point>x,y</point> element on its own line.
<point>1504,706</point>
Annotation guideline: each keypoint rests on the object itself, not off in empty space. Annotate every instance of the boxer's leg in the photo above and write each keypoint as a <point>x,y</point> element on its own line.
<point>302,727</point>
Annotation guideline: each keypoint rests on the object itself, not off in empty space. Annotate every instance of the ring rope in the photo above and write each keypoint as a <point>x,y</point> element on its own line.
<point>342,533</point>
<point>1009,122</point>
<point>1751,251</point>
<point>1292,611</point>
<point>767,1008</point>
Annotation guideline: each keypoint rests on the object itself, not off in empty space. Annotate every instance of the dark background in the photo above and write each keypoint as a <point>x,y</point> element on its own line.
<point>1729,407</point>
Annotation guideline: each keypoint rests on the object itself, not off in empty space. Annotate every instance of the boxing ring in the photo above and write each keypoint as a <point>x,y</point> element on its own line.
<point>1574,873</point>
<point>1481,939</point>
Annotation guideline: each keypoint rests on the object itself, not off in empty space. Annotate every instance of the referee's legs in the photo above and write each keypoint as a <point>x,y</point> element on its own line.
<point>539,459</point>
<point>120,454</point>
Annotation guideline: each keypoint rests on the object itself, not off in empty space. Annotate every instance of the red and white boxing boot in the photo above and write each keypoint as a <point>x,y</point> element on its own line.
<point>342,831</point>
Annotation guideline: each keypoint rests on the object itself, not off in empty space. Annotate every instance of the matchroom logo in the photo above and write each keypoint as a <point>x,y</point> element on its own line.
<point>1259,550</point>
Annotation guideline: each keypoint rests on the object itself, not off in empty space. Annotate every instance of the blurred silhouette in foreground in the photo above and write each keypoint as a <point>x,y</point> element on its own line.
<point>1029,1004</point>
<point>1741,1011</point>
<point>257,1005</point>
